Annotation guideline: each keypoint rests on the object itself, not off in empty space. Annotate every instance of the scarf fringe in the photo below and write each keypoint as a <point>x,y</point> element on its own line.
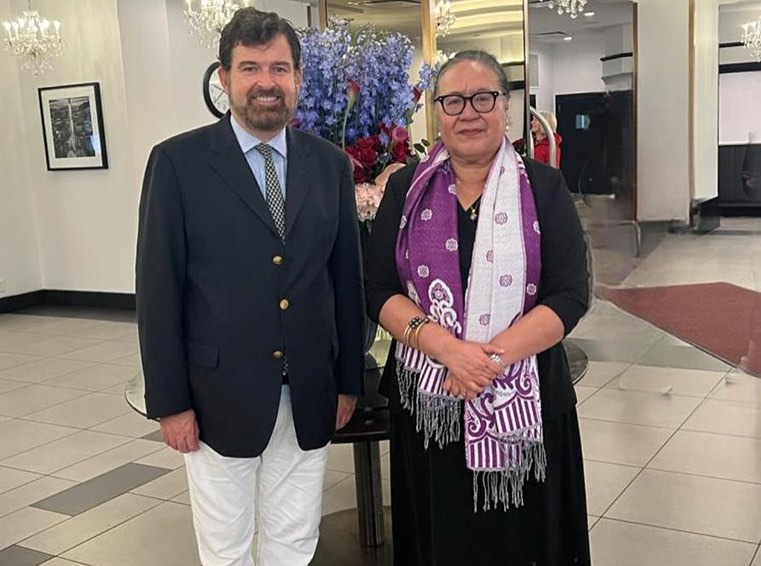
<point>437,417</point>
<point>506,486</point>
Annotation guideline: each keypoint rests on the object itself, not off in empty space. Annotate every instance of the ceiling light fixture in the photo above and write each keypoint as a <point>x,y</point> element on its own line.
<point>34,40</point>
<point>210,17</point>
<point>752,38</point>
<point>571,7</point>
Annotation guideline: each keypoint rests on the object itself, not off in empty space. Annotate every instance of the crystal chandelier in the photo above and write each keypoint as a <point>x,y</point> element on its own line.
<point>752,38</point>
<point>34,40</point>
<point>209,19</point>
<point>443,17</point>
<point>570,7</point>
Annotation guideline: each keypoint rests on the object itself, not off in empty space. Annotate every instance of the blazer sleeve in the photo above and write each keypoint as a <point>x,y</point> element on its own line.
<point>381,276</point>
<point>565,279</point>
<point>345,265</point>
<point>160,277</point>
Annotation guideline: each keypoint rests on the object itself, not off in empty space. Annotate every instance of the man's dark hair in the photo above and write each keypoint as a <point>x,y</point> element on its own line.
<point>250,26</point>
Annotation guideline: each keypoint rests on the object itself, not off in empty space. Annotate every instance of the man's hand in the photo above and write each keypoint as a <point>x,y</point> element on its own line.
<point>180,431</point>
<point>346,406</point>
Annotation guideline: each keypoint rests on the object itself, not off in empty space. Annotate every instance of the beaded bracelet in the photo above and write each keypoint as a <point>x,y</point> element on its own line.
<point>414,323</point>
<point>415,337</point>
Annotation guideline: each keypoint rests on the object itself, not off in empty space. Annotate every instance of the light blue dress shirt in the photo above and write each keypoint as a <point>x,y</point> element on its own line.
<point>255,159</point>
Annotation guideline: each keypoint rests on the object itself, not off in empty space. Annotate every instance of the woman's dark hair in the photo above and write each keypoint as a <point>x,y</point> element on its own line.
<point>250,26</point>
<point>486,59</point>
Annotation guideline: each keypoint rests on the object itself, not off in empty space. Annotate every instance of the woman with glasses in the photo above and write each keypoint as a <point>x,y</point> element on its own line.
<point>477,267</point>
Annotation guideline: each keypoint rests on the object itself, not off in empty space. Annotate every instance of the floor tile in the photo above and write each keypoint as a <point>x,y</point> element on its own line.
<point>110,460</point>
<point>615,543</point>
<point>20,556</point>
<point>26,494</point>
<point>156,436</point>
<point>57,346</point>
<point>76,530</point>
<point>12,360</point>
<point>10,342</point>
<point>665,355</point>
<point>600,373</point>
<point>344,496</point>
<point>583,393</point>
<point>341,458</point>
<point>22,323</point>
<point>11,478</point>
<point>60,562</point>
<point>130,424</point>
<point>84,496</point>
<point>689,382</point>
<point>41,370</point>
<point>162,535</point>
<point>108,331</point>
<point>183,498</point>
<point>84,412</point>
<point>333,478</point>
<point>636,407</point>
<point>712,455</point>
<point>605,351</point>
<point>62,326</point>
<point>93,377</point>
<point>51,457</point>
<point>620,443</point>
<point>24,523</point>
<point>19,435</point>
<point>740,387</point>
<point>104,352</point>
<point>9,385</point>
<point>605,482</point>
<point>33,398</point>
<point>133,361</point>
<point>726,417</point>
<point>165,487</point>
<point>695,504</point>
<point>757,561</point>
<point>165,458</point>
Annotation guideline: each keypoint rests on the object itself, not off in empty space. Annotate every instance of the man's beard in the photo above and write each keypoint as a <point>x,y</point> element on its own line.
<point>264,118</point>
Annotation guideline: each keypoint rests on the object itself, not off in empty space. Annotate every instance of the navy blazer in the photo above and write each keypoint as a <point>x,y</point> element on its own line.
<point>220,298</point>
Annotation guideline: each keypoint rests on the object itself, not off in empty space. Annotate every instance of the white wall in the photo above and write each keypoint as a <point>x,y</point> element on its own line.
<point>739,93</point>
<point>739,108</point>
<point>578,67</point>
<point>19,259</point>
<point>150,71</point>
<point>545,92</point>
<point>706,100</point>
<point>569,67</point>
<point>662,114</point>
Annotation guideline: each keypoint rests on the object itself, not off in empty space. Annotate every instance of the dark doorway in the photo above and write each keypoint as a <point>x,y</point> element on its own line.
<point>598,145</point>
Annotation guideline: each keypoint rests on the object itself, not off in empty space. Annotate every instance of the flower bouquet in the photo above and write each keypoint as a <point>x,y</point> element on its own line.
<point>356,93</point>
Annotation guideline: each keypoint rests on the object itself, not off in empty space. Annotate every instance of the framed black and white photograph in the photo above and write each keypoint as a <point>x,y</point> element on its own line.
<point>72,127</point>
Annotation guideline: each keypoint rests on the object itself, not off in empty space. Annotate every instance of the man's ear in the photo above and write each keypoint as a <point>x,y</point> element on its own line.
<point>224,78</point>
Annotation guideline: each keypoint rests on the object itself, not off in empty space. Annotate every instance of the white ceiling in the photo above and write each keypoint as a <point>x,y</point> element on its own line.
<point>547,26</point>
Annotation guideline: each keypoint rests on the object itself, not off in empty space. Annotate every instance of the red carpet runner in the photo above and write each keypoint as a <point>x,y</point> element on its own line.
<point>722,319</point>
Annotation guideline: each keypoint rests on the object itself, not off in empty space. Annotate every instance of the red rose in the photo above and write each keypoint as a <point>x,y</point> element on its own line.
<point>400,152</point>
<point>399,135</point>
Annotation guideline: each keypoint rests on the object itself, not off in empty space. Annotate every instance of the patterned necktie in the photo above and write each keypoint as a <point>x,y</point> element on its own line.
<point>274,197</point>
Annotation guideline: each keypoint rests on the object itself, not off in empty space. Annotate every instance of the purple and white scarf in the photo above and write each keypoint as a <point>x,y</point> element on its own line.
<point>503,425</point>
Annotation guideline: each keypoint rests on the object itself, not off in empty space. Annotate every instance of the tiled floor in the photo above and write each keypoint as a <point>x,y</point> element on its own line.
<point>672,437</point>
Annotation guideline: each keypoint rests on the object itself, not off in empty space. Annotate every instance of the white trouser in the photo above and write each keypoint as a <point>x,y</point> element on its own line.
<point>282,487</point>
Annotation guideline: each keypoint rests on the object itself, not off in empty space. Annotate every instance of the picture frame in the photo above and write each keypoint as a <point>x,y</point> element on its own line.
<point>72,127</point>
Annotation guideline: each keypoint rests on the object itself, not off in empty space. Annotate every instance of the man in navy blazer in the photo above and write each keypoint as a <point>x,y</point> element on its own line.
<point>250,304</point>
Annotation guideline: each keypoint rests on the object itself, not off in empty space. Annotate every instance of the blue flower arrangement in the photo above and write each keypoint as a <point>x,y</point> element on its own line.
<point>356,93</point>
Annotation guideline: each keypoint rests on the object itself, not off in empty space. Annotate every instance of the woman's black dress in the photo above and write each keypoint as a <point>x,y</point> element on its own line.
<point>432,490</point>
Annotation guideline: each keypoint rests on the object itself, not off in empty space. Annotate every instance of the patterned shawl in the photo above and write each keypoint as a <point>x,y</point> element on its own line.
<point>503,425</point>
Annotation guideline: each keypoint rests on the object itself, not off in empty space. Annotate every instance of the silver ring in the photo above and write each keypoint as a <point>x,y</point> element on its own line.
<point>497,359</point>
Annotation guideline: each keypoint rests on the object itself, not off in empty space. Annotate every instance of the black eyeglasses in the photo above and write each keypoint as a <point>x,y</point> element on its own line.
<point>454,104</point>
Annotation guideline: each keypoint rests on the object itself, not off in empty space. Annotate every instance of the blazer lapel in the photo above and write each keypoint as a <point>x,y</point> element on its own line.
<point>297,179</point>
<point>227,159</point>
